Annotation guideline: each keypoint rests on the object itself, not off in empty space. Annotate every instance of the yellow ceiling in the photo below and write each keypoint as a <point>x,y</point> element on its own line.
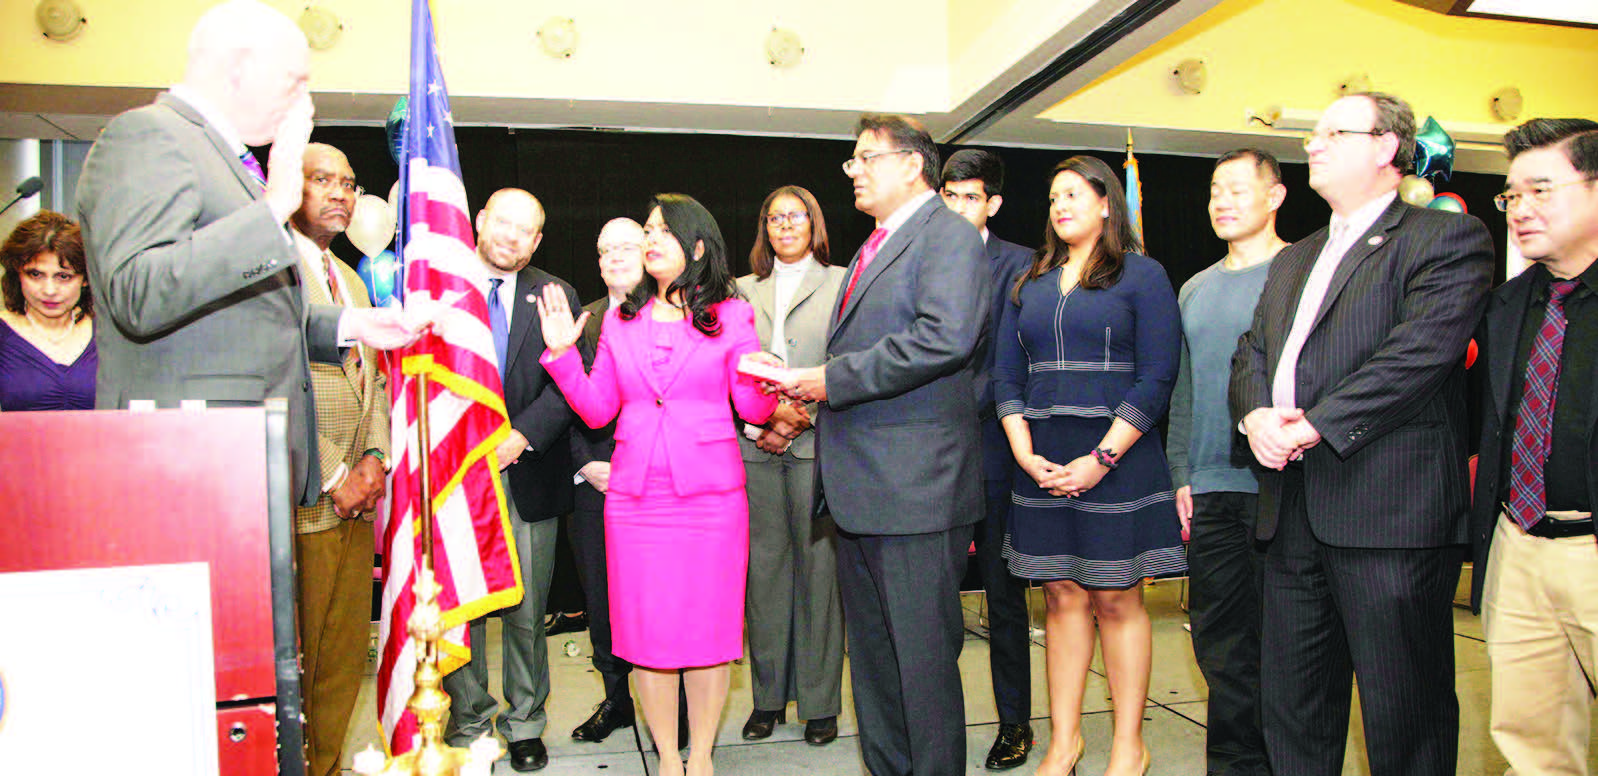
<point>1294,53</point>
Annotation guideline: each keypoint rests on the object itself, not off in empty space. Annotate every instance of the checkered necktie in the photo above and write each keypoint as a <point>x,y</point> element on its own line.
<point>1528,500</point>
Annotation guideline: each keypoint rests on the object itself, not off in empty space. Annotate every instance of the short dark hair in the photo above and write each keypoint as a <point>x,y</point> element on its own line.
<point>762,258</point>
<point>1104,264</point>
<point>704,283</point>
<point>906,133</point>
<point>1264,162</point>
<point>44,232</point>
<point>1569,134</point>
<point>974,164</point>
<point>1395,117</point>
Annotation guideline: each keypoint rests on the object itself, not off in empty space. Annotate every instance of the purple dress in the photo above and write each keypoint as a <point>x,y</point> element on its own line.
<point>30,381</point>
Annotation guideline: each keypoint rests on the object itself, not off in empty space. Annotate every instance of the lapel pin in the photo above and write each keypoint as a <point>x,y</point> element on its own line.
<point>1374,241</point>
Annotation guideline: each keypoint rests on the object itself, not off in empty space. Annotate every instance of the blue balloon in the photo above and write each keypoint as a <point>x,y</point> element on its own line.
<point>383,276</point>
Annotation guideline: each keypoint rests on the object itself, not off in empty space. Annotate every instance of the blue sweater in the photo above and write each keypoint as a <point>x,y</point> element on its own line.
<point>1217,307</point>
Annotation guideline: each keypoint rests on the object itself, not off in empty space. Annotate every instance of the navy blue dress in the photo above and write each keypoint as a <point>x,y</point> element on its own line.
<point>1070,364</point>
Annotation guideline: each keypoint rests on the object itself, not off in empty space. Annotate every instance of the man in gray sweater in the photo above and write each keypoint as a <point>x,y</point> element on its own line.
<point>1216,497</point>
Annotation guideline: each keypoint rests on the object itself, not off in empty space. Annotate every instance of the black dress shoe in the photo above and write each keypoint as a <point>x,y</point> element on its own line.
<point>821,731</point>
<point>567,623</point>
<point>528,755</point>
<point>1011,748</point>
<point>762,723</point>
<point>608,716</point>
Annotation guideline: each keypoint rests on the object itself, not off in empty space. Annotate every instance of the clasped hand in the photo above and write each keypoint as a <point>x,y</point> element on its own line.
<point>1278,435</point>
<point>1072,479</point>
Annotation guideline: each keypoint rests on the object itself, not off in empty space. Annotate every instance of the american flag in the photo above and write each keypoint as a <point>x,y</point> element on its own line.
<point>473,557</point>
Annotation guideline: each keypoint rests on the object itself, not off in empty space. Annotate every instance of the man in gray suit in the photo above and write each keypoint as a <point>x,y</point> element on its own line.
<point>188,251</point>
<point>899,453</point>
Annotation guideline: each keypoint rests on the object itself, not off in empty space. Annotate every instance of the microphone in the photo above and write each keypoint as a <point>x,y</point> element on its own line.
<point>25,189</point>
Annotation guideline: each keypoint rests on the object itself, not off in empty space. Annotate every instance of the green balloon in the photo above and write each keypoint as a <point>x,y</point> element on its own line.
<point>1434,152</point>
<point>1449,202</point>
<point>396,128</point>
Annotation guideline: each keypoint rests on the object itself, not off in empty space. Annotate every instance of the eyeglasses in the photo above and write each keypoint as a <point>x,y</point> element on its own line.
<point>1536,196</point>
<point>324,182</point>
<point>609,248</point>
<point>797,218</point>
<point>858,161</point>
<point>1330,135</point>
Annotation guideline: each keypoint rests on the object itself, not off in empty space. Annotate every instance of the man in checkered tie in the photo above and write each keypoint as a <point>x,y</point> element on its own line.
<point>1536,568</point>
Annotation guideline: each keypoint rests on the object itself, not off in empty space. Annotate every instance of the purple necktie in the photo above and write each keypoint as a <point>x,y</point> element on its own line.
<point>1528,499</point>
<point>248,159</point>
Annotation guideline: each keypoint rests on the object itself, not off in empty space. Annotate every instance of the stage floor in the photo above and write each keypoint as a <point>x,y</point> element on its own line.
<point>1173,727</point>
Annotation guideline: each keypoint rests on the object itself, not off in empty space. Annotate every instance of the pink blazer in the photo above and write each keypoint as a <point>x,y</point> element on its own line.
<point>690,408</point>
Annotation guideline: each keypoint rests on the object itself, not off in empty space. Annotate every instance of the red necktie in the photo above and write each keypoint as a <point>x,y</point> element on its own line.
<point>867,253</point>
<point>1528,498</point>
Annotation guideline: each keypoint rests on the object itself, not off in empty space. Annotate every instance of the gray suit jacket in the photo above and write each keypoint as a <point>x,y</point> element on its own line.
<point>196,282</point>
<point>898,445</point>
<point>805,329</point>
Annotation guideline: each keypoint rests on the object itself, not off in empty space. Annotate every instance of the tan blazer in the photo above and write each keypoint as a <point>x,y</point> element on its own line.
<point>804,328</point>
<point>351,401</point>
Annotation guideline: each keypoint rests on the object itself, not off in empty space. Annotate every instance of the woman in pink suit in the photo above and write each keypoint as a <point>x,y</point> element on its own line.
<point>676,517</point>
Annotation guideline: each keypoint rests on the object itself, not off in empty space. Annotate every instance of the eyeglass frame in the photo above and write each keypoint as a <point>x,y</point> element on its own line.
<point>856,162</point>
<point>1332,135</point>
<point>795,218</point>
<point>329,181</point>
<point>1508,199</point>
<point>606,250</point>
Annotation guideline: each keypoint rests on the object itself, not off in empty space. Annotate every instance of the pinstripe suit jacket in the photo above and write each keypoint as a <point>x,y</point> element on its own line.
<point>1381,377</point>
<point>351,402</point>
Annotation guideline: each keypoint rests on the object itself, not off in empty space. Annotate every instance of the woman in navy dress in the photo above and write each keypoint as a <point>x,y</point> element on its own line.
<point>47,355</point>
<point>1087,355</point>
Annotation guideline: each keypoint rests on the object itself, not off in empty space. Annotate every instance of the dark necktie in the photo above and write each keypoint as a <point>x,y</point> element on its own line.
<point>1528,499</point>
<point>867,253</point>
<point>248,160</point>
<point>497,324</point>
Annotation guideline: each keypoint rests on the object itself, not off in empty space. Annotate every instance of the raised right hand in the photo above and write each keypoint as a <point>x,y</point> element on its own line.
<point>555,318</point>
<point>285,164</point>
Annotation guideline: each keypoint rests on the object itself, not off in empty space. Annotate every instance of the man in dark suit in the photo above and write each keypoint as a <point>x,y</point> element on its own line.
<point>1350,388</point>
<point>898,451</point>
<point>973,182</point>
<point>535,467</point>
<point>1536,563</point>
<point>621,266</point>
<point>188,253</point>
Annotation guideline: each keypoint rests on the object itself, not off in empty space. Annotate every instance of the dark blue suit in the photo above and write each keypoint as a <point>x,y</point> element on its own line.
<point>1008,636</point>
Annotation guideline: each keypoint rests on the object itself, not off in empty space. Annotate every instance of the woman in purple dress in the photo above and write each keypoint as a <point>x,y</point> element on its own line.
<point>676,517</point>
<point>47,355</point>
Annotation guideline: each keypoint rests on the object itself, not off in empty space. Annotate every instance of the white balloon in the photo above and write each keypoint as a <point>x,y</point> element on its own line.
<point>1416,191</point>
<point>371,226</point>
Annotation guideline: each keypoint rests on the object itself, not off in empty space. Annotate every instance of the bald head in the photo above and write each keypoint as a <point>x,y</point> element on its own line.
<point>329,198</point>
<point>621,255</point>
<point>251,63</point>
<point>509,228</point>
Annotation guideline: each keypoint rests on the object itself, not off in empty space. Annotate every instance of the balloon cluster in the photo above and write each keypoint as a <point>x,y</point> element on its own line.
<point>1434,162</point>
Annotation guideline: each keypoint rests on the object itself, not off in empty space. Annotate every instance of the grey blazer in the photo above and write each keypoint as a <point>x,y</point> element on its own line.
<point>196,283</point>
<point>804,328</point>
<point>898,446</point>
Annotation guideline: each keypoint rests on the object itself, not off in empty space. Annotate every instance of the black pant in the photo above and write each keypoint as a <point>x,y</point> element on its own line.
<point>901,606</point>
<point>1384,616</point>
<point>587,532</point>
<point>1224,568</point>
<point>1009,640</point>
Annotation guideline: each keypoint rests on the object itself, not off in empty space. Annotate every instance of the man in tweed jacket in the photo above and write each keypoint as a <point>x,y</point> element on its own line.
<point>334,539</point>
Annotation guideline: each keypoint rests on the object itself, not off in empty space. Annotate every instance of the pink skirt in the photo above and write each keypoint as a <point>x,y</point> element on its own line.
<point>677,567</point>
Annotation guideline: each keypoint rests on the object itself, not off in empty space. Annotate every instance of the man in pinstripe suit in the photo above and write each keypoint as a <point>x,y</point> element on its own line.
<point>1350,388</point>
<point>333,541</point>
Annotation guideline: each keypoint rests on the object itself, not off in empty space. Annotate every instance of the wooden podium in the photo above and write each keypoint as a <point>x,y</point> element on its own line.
<point>119,488</point>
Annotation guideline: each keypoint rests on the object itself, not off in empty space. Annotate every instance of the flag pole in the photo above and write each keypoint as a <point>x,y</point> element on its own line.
<point>431,756</point>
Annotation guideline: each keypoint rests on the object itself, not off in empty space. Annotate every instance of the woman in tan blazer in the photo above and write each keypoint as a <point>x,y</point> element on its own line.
<point>792,611</point>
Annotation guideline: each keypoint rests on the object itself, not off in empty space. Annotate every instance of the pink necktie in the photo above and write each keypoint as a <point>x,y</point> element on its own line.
<point>867,253</point>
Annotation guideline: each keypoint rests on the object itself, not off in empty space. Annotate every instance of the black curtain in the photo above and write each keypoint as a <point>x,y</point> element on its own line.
<point>585,178</point>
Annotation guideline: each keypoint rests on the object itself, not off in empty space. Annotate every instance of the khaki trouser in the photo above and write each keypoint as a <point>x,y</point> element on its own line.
<point>1540,613</point>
